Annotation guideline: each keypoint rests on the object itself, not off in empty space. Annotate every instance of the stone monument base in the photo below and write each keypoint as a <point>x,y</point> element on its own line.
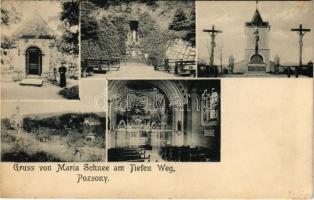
<point>256,69</point>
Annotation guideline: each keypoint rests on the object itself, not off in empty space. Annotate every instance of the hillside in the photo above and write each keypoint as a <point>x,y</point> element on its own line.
<point>55,137</point>
<point>105,26</point>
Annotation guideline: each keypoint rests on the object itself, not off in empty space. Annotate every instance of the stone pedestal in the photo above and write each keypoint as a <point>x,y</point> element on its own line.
<point>256,68</point>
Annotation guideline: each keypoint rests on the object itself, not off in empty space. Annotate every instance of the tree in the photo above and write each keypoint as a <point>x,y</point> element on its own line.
<point>154,40</point>
<point>69,41</point>
<point>88,21</point>
<point>113,34</point>
<point>70,13</point>
<point>184,25</point>
<point>179,21</point>
<point>5,123</point>
<point>88,28</point>
<point>104,31</point>
<point>220,52</point>
<point>7,42</point>
<point>190,35</point>
<point>231,63</point>
<point>105,4</point>
<point>9,14</point>
<point>276,63</point>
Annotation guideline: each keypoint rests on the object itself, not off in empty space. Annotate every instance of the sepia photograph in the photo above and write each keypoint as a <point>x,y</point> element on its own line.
<point>60,131</point>
<point>156,99</point>
<point>127,39</point>
<point>164,121</point>
<point>255,38</point>
<point>39,50</point>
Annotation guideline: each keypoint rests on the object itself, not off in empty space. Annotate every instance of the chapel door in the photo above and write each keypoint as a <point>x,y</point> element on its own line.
<point>33,61</point>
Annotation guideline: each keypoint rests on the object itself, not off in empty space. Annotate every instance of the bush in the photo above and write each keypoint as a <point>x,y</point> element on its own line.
<point>70,93</point>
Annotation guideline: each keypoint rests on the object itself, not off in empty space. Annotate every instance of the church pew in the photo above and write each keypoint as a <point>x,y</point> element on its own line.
<point>127,154</point>
<point>185,154</point>
<point>145,147</point>
<point>197,155</point>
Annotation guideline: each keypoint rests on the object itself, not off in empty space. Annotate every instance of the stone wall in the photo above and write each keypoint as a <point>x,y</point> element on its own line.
<point>44,45</point>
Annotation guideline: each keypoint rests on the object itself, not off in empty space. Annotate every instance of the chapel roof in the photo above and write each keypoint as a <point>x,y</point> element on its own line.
<point>34,27</point>
<point>257,20</point>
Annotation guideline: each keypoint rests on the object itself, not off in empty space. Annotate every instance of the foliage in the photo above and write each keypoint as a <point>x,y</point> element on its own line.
<point>69,42</point>
<point>107,3</point>
<point>231,63</point>
<point>277,60</point>
<point>108,40</point>
<point>7,42</point>
<point>56,137</point>
<point>70,13</point>
<point>154,40</point>
<point>89,28</point>
<point>70,93</point>
<point>105,31</point>
<point>231,60</point>
<point>181,23</point>
<point>9,15</point>
<point>113,34</point>
<point>5,123</point>
<point>59,123</point>
<point>89,24</point>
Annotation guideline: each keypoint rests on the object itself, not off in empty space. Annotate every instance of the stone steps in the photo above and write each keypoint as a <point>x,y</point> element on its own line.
<point>257,74</point>
<point>32,81</point>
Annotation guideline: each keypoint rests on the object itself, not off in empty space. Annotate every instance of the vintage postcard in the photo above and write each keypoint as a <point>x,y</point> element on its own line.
<point>39,50</point>
<point>154,99</point>
<point>255,39</point>
<point>126,39</point>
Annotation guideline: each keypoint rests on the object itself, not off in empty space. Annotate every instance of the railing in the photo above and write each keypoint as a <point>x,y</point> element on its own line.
<point>184,67</point>
<point>136,59</point>
<point>296,70</point>
<point>101,65</point>
<point>180,67</point>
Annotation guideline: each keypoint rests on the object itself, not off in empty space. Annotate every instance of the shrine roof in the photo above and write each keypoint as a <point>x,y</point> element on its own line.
<point>257,20</point>
<point>34,27</point>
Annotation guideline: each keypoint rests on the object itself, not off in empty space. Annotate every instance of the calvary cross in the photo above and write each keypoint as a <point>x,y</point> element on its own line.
<point>212,32</point>
<point>301,31</point>
<point>256,33</point>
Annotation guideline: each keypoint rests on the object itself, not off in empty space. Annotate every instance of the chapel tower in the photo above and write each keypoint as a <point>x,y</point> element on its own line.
<point>257,50</point>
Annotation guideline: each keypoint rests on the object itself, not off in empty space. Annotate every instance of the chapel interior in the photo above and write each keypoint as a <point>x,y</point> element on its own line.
<point>164,120</point>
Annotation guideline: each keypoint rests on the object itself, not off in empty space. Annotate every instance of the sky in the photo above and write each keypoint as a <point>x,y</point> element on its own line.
<point>49,11</point>
<point>230,17</point>
<point>93,99</point>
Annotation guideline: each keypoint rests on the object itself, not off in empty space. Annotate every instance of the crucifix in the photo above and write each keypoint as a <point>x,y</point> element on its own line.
<point>301,31</point>
<point>212,32</point>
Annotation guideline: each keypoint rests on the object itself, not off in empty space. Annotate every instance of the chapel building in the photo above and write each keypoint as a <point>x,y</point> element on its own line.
<point>35,50</point>
<point>257,52</point>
